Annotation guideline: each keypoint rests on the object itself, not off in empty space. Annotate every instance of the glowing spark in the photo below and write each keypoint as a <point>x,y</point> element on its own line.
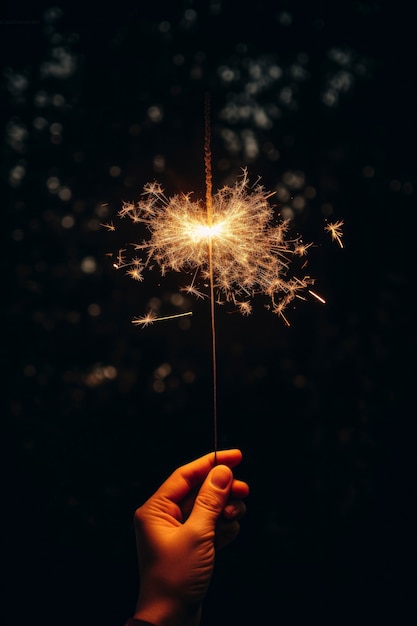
<point>335,229</point>
<point>150,318</point>
<point>135,273</point>
<point>109,226</point>
<point>316,295</point>
<point>250,251</point>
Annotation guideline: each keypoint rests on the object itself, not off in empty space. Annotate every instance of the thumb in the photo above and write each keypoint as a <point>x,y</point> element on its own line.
<point>211,498</point>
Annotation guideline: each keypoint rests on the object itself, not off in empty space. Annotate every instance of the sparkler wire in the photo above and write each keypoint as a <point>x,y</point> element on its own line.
<point>209,209</point>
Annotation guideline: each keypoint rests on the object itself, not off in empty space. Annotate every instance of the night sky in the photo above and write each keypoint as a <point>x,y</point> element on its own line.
<point>318,100</point>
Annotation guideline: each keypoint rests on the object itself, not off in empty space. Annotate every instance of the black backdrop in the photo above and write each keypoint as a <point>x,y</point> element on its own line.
<point>317,99</point>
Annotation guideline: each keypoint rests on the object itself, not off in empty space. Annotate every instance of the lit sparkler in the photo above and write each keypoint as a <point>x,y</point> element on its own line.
<point>232,245</point>
<point>242,251</point>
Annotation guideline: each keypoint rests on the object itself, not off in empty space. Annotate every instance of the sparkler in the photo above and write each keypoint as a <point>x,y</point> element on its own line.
<point>231,243</point>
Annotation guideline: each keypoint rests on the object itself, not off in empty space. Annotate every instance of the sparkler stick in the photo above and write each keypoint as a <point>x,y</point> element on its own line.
<point>209,208</point>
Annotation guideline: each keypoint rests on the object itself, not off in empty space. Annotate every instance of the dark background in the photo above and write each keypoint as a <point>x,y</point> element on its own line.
<point>96,102</point>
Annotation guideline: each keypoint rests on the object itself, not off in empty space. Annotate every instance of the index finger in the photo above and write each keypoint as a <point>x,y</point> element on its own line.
<point>188,476</point>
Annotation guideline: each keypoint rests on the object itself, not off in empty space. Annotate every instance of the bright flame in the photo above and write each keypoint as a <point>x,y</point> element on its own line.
<point>240,248</point>
<point>204,232</point>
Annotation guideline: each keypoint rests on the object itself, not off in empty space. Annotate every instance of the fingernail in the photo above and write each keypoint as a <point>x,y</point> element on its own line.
<point>220,477</point>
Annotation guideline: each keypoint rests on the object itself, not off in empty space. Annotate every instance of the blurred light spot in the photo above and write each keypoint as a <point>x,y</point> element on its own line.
<point>159,163</point>
<point>327,209</point>
<point>93,224</point>
<point>330,98</point>
<point>260,371</point>
<point>287,213</point>
<point>177,299</point>
<point>298,72</point>
<point>184,323</point>
<point>298,203</point>
<point>261,119</point>
<point>158,386</point>
<point>100,374</point>
<point>368,171</point>
<point>58,100</point>
<point>283,193</point>
<point>295,179</point>
<point>344,435</point>
<point>17,235</point>
<point>155,114</point>
<point>129,181</point>
<point>53,184</point>
<point>94,309</point>
<point>164,27</point>
<point>115,171</point>
<point>163,371</point>
<point>299,381</point>
<point>227,75</point>
<point>408,188</point>
<point>52,14</point>
<point>40,123</point>
<point>285,18</point>
<point>395,185</point>
<point>110,372</point>
<point>55,128</point>
<point>134,130</point>
<point>61,65</point>
<point>16,175</point>
<point>286,95</point>
<point>190,15</point>
<point>250,144</point>
<point>67,221</point>
<point>178,59</point>
<point>271,152</point>
<point>310,192</point>
<point>275,72</point>
<point>16,135</point>
<point>65,194</point>
<point>188,376</point>
<point>41,99</point>
<point>342,57</point>
<point>73,317</point>
<point>29,370</point>
<point>223,164</point>
<point>154,304</point>
<point>102,210</point>
<point>231,140</point>
<point>16,83</point>
<point>88,265</point>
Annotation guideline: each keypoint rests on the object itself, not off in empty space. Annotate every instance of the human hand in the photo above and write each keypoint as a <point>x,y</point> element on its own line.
<point>195,512</point>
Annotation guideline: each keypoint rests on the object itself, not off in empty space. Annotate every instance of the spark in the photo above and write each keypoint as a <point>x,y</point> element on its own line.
<point>150,318</point>
<point>316,295</point>
<point>335,230</point>
<point>110,226</point>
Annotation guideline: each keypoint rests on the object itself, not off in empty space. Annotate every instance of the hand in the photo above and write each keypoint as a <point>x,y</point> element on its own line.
<point>194,512</point>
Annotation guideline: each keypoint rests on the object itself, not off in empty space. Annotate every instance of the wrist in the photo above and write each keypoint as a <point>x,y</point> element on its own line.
<point>162,612</point>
